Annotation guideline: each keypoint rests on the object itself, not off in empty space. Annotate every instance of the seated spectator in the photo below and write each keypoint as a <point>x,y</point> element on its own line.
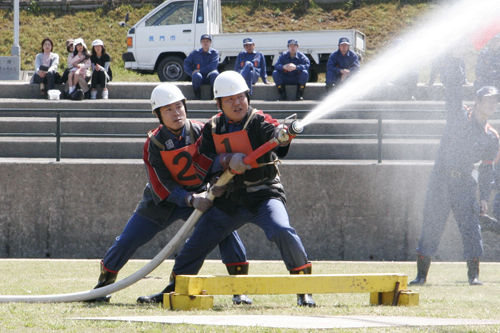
<point>201,65</point>
<point>100,69</point>
<point>291,68</point>
<point>341,64</point>
<point>79,73</point>
<point>488,65</point>
<point>46,65</point>
<point>251,64</point>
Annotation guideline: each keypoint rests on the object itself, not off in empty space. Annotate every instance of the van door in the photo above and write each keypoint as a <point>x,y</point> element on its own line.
<point>169,29</point>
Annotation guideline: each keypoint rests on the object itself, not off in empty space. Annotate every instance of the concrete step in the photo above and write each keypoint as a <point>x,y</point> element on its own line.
<point>131,148</point>
<point>205,109</point>
<point>313,91</point>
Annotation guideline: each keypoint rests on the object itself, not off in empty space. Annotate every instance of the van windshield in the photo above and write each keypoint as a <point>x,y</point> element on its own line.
<point>180,12</point>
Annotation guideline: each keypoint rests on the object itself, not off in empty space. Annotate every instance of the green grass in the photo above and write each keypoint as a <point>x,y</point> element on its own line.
<point>380,20</point>
<point>447,295</point>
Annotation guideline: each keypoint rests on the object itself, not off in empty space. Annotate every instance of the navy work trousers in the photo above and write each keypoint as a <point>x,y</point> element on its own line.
<point>140,230</point>
<point>249,74</point>
<point>216,225</point>
<point>295,79</point>
<point>445,194</point>
<point>199,79</point>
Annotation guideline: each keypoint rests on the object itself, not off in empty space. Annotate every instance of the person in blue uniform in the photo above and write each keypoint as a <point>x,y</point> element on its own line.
<point>255,194</point>
<point>466,140</point>
<point>201,65</point>
<point>174,190</point>
<point>488,65</point>
<point>439,66</point>
<point>292,68</point>
<point>251,64</point>
<point>341,64</point>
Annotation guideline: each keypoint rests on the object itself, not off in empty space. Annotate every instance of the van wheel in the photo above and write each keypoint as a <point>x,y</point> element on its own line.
<point>172,69</point>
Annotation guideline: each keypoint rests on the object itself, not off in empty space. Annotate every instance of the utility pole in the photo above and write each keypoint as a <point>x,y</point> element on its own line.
<point>16,49</point>
<point>10,67</point>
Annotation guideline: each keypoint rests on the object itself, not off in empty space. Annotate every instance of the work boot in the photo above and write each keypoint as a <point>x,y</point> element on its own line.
<point>158,298</point>
<point>423,264</point>
<point>282,92</point>
<point>304,299</point>
<point>300,92</point>
<point>197,94</point>
<point>473,272</point>
<point>489,223</point>
<point>106,278</point>
<point>240,269</point>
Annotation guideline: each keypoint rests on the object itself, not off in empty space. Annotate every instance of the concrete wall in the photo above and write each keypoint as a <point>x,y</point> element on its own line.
<point>341,210</point>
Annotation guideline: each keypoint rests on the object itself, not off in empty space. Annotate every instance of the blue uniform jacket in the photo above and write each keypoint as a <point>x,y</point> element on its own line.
<point>206,62</point>
<point>300,60</point>
<point>258,60</point>
<point>337,61</point>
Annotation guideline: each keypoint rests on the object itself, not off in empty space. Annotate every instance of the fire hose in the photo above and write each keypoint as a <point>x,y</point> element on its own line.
<point>295,128</point>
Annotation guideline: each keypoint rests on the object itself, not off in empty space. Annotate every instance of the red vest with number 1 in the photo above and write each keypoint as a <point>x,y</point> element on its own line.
<point>235,142</point>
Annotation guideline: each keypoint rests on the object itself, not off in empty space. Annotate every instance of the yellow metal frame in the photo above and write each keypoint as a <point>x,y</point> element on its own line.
<point>191,291</point>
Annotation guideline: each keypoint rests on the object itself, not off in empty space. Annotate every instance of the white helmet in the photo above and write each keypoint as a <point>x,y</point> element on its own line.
<point>229,83</point>
<point>165,94</point>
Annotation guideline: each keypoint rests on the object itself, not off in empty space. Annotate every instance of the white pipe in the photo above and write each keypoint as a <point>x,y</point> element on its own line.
<point>128,281</point>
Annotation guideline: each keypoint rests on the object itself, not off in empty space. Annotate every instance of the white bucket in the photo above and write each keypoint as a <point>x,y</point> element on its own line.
<point>54,94</point>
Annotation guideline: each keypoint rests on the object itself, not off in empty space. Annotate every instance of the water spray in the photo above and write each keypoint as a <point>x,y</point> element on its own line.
<point>442,31</point>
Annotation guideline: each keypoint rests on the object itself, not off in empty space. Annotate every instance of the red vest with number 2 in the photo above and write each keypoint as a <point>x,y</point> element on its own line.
<point>180,164</point>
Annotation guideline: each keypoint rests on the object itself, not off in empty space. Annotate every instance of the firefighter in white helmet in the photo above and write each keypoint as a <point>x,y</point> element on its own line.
<point>254,195</point>
<point>170,155</point>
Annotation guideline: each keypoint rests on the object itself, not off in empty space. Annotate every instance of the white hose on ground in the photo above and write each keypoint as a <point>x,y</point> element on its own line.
<point>128,281</point>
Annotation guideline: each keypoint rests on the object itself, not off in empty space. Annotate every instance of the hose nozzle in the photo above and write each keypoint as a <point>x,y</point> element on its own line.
<point>295,128</point>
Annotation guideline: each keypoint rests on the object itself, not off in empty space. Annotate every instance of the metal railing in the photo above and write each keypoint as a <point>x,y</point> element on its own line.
<point>58,134</point>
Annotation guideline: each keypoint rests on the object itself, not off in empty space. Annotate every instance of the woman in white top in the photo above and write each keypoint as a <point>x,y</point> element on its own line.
<point>46,64</point>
